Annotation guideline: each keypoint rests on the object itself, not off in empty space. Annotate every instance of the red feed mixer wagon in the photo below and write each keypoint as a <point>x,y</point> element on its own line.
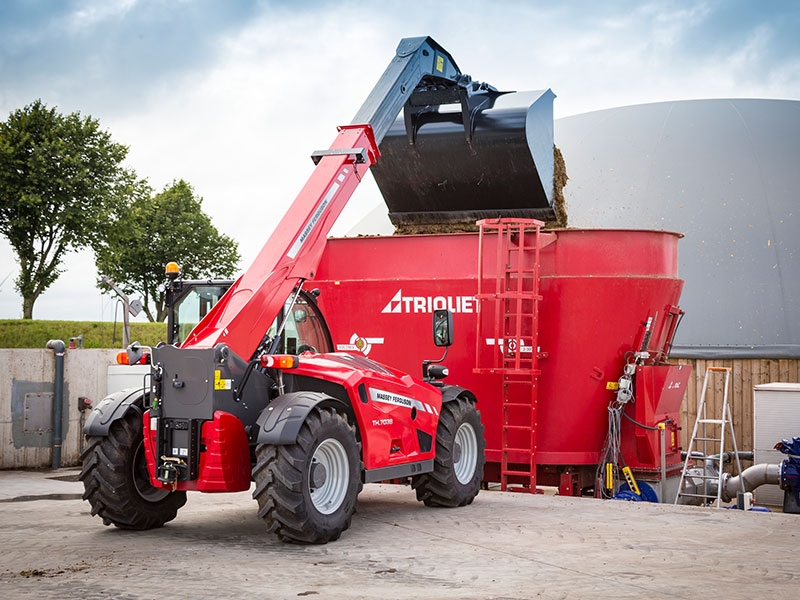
<point>553,327</point>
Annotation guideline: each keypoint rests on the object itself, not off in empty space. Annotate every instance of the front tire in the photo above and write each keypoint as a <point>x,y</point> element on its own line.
<point>460,457</point>
<point>308,491</point>
<point>116,482</point>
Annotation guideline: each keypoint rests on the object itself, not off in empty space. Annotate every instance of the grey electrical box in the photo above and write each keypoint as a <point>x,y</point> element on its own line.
<point>38,413</point>
<point>32,413</point>
<point>135,306</point>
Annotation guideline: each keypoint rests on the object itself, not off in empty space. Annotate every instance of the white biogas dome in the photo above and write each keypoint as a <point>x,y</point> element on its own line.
<point>726,174</point>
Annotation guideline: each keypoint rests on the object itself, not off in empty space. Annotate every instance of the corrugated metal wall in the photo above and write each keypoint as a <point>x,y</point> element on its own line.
<point>746,374</point>
<point>32,370</point>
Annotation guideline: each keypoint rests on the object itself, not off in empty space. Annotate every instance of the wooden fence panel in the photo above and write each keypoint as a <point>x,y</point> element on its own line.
<point>745,375</point>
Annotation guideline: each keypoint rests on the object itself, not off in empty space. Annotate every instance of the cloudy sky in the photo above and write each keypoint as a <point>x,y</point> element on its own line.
<point>233,96</point>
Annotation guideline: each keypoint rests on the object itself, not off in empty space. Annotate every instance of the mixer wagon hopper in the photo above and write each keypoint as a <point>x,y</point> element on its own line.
<point>554,328</point>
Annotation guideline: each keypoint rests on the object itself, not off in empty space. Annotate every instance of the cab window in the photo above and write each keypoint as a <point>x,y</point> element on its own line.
<point>304,330</point>
<point>190,309</point>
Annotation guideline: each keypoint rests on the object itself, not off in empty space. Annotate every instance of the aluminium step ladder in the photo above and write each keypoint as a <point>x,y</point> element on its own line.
<point>510,314</point>
<point>706,439</point>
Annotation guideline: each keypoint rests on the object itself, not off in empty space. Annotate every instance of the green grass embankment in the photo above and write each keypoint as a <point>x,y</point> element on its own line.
<point>21,333</point>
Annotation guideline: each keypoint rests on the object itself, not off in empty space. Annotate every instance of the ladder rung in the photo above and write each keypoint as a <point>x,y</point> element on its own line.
<point>515,404</point>
<point>716,421</point>
<point>528,450</point>
<point>699,439</point>
<point>518,473</point>
<point>705,457</point>
<point>517,296</point>
<point>518,427</point>
<point>710,477</point>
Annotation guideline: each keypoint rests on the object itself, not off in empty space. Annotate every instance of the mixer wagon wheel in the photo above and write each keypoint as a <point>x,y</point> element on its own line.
<point>307,492</point>
<point>458,468</point>
<point>116,481</point>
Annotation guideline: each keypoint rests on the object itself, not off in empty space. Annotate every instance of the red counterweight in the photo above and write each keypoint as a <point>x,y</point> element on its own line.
<point>224,465</point>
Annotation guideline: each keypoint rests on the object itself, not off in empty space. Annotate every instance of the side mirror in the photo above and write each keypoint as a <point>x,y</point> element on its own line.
<point>134,352</point>
<point>442,327</point>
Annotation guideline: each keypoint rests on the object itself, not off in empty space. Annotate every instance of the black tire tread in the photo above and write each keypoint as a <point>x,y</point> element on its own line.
<point>108,482</point>
<point>440,487</point>
<point>279,477</point>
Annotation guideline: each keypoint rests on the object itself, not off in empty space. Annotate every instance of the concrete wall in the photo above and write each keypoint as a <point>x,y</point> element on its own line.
<point>26,385</point>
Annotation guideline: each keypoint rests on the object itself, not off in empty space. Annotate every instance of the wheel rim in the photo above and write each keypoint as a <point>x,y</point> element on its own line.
<point>141,478</point>
<point>328,476</point>
<point>465,456</point>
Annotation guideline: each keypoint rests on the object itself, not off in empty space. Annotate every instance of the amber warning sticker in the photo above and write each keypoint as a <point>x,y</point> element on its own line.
<point>439,63</point>
<point>219,383</point>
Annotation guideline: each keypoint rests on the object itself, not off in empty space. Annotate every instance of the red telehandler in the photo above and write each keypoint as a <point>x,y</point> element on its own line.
<point>255,392</point>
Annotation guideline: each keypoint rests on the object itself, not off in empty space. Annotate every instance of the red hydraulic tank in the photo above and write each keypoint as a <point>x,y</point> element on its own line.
<point>599,289</point>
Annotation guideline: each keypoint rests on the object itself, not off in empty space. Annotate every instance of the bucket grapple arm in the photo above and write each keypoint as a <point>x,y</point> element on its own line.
<point>421,69</point>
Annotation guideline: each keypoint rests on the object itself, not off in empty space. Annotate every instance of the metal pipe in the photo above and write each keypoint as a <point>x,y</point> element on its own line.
<point>727,457</point>
<point>60,349</point>
<point>750,479</point>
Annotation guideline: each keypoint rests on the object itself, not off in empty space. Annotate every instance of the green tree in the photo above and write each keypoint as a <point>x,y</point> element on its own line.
<point>150,231</point>
<point>59,175</point>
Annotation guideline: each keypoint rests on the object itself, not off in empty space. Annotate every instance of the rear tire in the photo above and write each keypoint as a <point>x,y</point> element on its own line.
<point>308,491</point>
<point>460,457</point>
<point>116,482</point>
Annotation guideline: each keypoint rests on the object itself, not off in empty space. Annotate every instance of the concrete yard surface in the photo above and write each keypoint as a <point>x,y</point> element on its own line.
<point>504,545</point>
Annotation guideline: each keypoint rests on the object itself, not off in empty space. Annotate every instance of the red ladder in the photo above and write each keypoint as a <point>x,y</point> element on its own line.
<point>510,314</point>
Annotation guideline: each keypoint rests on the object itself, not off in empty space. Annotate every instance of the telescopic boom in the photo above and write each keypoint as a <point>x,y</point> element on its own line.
<point>421,76</point>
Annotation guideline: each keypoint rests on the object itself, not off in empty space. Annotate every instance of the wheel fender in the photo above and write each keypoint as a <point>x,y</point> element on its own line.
<point>112,408</point>
<point>280,422</point>
<point>453,392</point>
